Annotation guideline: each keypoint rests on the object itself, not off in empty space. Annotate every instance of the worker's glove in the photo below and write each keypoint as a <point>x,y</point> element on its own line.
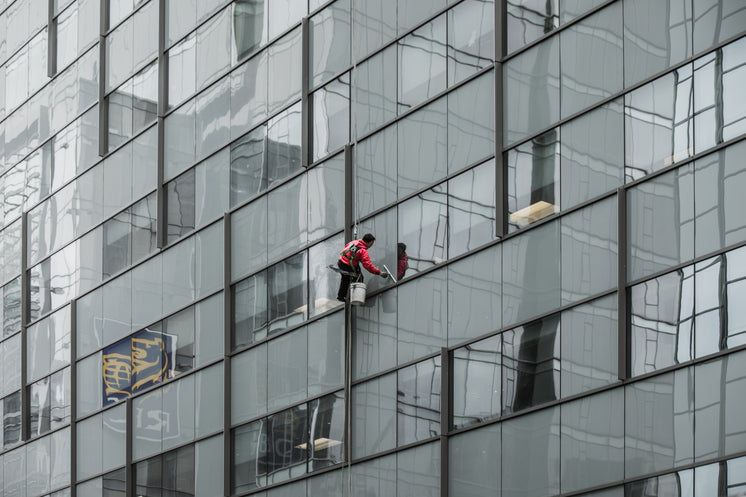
<point>384,275</point>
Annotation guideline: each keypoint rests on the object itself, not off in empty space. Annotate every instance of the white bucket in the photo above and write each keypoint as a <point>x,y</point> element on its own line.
<point>357,293</point>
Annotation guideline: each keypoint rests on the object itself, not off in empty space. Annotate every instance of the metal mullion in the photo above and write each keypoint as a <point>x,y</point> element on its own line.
<point>161,224</point>
<point>51,40</point>
<point>227,344</point>
<point>306,102</point>
<point>128,448</point>
<point>103,108</point>
<point>25,317</point>
<point>623,342</point>
<point>73,396</point>
<point>445,416</point>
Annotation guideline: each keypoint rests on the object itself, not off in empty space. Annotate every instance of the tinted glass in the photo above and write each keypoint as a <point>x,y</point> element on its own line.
<point>418,401</point>
<point>326,346</point>
<point>422,316</point>
<point>374,416</point>
<point>327,431</point>
<point>471,209</point>
<point>248,94</point>
<point>287,375</point>
<point>471,44</point>
<point>471,122</point>
<point>422,148</point>
<point>288,293</point>
<point>248,165</point>
<point>329,41</point>
<point>374,336</point>
<point>375,24</point>
<point>331,128</point>
<point>376,170</point>
<point>477,382</point>
<point>422,64</point>
<point>375,90</point>
<point>423,228</point>
<point>250,304</point>
<point>418,471</point>
<point>473,462</point>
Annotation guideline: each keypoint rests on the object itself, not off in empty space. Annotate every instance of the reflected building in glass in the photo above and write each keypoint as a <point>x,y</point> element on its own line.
<point>567,176</point>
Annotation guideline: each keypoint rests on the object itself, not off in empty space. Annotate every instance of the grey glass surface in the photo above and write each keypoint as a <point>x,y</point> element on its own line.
<point>90,488</point>
<point>592,154</point>
<point>326,349</point>
<point>659,417</point>
<point>709,306</point>
<point>209,260</point>
<point>474,463</point>
<point>331,483</point>
<point>147,292</point>
<point>374,336</point>
<point>327,431</point>
<point>117,305</point>
<point>531,364</point>
<point>144,227</point>
<point>11,356</point>
<point>662,207</point>
<point>422,148</point>
<point>284,67</point>
<point>287,359</point>
<point>59,470</point>
<point>147,429</point>
<point>329,42</point>
<point>208,461</point>
<point>213,118</point>
<point>248,166</point>
<point>375,25</point>
<point>112,439</point>
<point>249,94</point>
<point>536,438</point>
<point>324,284</point>
<point>67,37</point>
<point>718,185</point>
<point>179,140</point>
<point>117,244</point>
<point>250,304</point>
<point>285,462</point>
<point>418,471</point>
<point>180,327</point>
<point>471,38</point>
<point>375,478</point>
<point>182,70</point>
<point>374,416</point>
<point>591,60</point>
<point>178,284</point>
<point>658,124</point>
<point>418,401</point>
<point>422,316</point>
<point>284,145</point>
<point>715,22</point>
<point>529,20</point>
<point>422,63</point>
<point>735,286</point>
<point>570,9</point>
<point>589,247</point>
<point>90,455</point>
<point>531,91</point>
<point>591,441</point>
<point>531,273</point>
<point>212,186</point>
<point>144,97</point>
<point>475,295</point>
<point>12,307</point>
<point>471,122</point>
<point>656,36</point>
<point>471,209</point>
<point>376,170</point>
<point>287,218</point>
<point>179,406</point>
<point>288,294</point>
<point>375,91</point>
<point>477,382</point>
<point>325,205</point>
<point>213,47</point>
<point>410,14</point>
<point>38,459</point>
<point>284,14</point>
<point>423,228</point>
<point>249,238</point>
<point>119,54</point>
<point>181,16</point>
<point>249,398</point>
<point>209,330</point>
<point>734,75</point>
<point>89,397</point>
<point>331,115</point>
<point>249,449</point>
<point>589,346</point>
<point>534,180</point>
<point>117,180</point>
<point>11,421</point>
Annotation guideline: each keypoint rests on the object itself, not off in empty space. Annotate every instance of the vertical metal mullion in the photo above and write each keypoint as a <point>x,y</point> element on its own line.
<point>128,451</point>
<point>623,342</point>
<point>51,40</point>
<point>500,169</point>
<point>348,194</point>
<point>103,108</point>
<point>227,344</point>
<point>306,103</point>
<point>73,394</point>
<point>25,316</point>
<point>161,224</point>
<point>445,417</point>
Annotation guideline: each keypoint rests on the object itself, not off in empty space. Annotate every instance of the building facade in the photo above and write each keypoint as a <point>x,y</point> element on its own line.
<point>568,179</point>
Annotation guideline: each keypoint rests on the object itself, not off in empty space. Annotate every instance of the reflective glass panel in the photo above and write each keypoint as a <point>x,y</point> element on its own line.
<point>250,304</point>
<point>471,123</point>
<point>249,238</point>
<point>418,471</point>
<point>331,114</point>
<point>418,401</point>
<point>374,336</point>
<point>284,145</point>
<point>471,43</point>
<point>376,170</point>
<point>422,64</point>
<point>287,218</point>
<point>375,24</point>
<point>422,148</point>
<point>326,347</point>
<point>327,434</point>
<point>716,21</point>
<point>477,382</point>
<point>375,91</point>
<point>213,118</point>
<point>529,20</point>
<point>423,229</point>
<point>287,444</point>
<point>248,94</point>
<point>288,294</point>
<point>474,462</point>
<point>374,416</point>
<point>329,41</point>
<point>471,209</point>
<point>284,66</point>
<point>248,165</point>
<point>287,359</point>
<point>422,316</point>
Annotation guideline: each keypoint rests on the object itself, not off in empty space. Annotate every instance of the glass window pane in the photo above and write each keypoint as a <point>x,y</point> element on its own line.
<point>418,471</point>
<point>656,36</point>
<point>284,145</point>
<point>659,417</point>
<point>38,459</point>
<point>209,260</point>
<point>147,427</point>
<point>422,148</point>
<point>209,330</point>
<point>90,394</point>
<point>119,54</point>
<point>531,364</point>
<point>471,209</point>
<point>208,462</point>
<point>213,47</point>
<point>418,401</point>
<point>250,460</point>
<point>327,431</point>
<point>471,38</point>
<point>375,90</point>
<point>475,295</point>
<point>178,278</point>
<point>422,64</point>
<point>147,292</point>
<point>324,283</point>
<point>409,14</point>
<point>422,316</point>
<point>374,416</point>
<point>287,444</point>
<point>284,66</point>
<point>374,335</point>
<point>249,94</point>
<point>180,206</point>
<point>329,44</point>
<point>283,14</point>
<point>287,375</point>
<point>375,25</point>
<point>250,27</point>
<point>660,223</point>
<point>148,476</point>
<point>531,90</point>
<point>249,238</point>
<point>249,398</point>
<point>477,382</point>
<point>213,118</point>
<point>376,159</point>
<point>113,438</point>
<point>250,315</point>
<point>534,180</point>
<point>591,63</point>
<point>182,70</point>
<point>715,22</point>
<point>534,437</point>
<point>117,308</point>
<point>180,328</point>
<point>325,204</point>
<point>589,251</point>
<point>589,346</point>
<point>474,462</point>
<point>180,151</point>
<point>144,97</point>
<point>326,354</point>
<point>529,20</point>
<point>384,251</point>
<point>179,407</point>
<point>471,123</point>
<point>288,294</point>
<point>591,441</point>
<point>735,286</point>
<point>288,218</point>
<point>658,124</point>
<point>90,453</point>
<point>592,154</point>
<point>212,185</point>
<point>331,114</point>
<point>248,166</point>
<point>60,461</point>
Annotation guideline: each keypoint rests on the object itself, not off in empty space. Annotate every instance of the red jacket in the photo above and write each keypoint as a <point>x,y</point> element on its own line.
<point>361,255</point>
<point>402,266</point>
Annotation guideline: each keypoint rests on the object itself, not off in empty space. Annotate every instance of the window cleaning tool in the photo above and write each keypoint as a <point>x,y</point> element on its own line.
<point>391,275</point>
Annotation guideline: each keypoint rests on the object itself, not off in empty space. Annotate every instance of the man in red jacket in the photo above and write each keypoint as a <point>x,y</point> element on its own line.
<point>355,253</point>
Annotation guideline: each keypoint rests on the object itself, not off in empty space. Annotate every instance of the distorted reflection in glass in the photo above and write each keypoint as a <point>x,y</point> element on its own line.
<point>248,166</point>
<point>287,444</point>
<point>422,148</point>
<point>284,145</point>
<point>422,64</point>
<point>528,20</point>
<point>324,282</point>
<point>471,32</point>
<point>327,430</point>
<point>375,91</point>
<point>418,401</point>
<point>471,209</point>
<point>249,26</point>
<point>331,115</point>
<point>477,382</point>
<point>287,292</point>
<point>329,42</point>
<point>250,304</point>
<point>531,364</point>
<point>423,227</point>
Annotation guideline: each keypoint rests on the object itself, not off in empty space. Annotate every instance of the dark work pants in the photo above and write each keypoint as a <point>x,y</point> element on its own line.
<point>344,283</point>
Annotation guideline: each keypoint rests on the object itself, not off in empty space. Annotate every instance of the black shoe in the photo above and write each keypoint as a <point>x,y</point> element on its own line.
<point>340,299</point>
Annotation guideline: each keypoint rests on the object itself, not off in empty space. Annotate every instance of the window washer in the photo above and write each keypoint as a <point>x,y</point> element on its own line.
<point>402,260</point>
<point>354,253</point>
